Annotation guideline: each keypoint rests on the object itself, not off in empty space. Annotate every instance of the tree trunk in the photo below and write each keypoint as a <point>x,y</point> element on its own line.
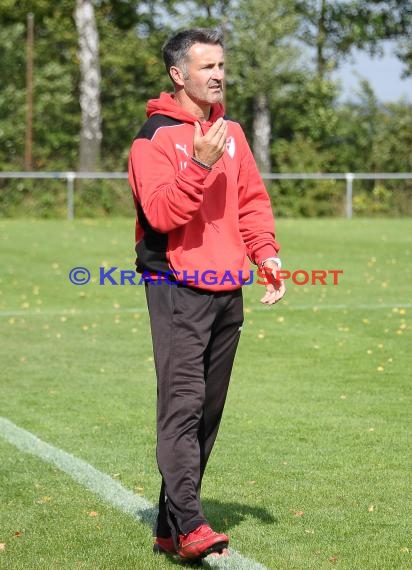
<point>91,134</point>
<point>261,132</point>
<point>320,42</point>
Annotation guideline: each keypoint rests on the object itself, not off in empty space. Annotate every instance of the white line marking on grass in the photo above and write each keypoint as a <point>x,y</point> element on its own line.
<point>306,307</point>
<point>101,484</point>
<point>105,487</point>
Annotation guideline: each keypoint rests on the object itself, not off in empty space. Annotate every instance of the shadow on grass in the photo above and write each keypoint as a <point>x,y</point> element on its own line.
<point>226,515</point>
<point>221,515</point>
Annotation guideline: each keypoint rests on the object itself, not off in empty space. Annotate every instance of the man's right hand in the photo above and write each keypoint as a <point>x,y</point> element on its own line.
<point>210,147</point>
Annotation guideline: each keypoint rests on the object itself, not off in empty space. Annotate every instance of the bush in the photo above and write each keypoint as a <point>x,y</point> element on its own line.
<point>48,198</point>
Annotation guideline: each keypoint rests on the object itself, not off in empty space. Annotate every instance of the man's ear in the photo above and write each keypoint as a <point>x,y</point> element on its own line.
<point>177,75</point>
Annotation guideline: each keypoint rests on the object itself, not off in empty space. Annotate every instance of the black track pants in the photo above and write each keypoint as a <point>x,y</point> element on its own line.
<point>195,335</point>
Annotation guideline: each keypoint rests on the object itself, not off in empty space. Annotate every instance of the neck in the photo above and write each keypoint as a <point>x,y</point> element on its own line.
<point>202,112</point>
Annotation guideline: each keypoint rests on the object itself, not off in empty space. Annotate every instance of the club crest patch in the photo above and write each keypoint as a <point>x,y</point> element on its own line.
<point>231,146</point>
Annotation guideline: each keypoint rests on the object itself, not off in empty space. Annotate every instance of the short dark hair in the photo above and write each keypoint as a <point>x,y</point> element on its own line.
<point>176,48</point>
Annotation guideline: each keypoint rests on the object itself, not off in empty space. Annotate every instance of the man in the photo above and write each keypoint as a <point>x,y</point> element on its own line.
<point>202,214</point>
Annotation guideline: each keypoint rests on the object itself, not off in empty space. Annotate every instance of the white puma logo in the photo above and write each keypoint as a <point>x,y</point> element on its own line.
<point>182,148</point>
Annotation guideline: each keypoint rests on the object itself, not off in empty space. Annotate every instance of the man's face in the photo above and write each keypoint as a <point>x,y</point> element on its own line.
<point>204,73</point>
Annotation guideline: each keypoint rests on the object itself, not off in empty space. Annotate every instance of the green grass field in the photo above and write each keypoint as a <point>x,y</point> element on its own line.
<point>311,469</point>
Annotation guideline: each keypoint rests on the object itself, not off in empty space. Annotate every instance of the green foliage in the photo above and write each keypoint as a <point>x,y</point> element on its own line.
<point>99,198</point>
<point>307,109</point>
<point>377,138</point>
<point>48,198</point>
<point>314,134</point>
<point>56,119</point>
<point>262,57</point>
<point>306,198</point>
<point>33,198</point>
<point>12,96</point>
<point>335,28</point>
<point>311,129</point>
<point>132,71</point>
<point>386,198</point>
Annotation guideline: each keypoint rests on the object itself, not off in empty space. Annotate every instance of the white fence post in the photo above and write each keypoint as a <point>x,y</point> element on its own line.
<point>70,177</point>
<point>349,194</point>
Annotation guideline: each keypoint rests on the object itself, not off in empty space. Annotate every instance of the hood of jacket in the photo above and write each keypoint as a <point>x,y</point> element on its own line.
<point>167,105</point>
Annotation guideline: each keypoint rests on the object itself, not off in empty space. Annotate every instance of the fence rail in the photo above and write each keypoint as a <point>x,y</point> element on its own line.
<point>70,178</point>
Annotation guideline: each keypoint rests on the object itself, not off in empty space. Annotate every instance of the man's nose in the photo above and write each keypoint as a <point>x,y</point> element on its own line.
<point>218,74</point>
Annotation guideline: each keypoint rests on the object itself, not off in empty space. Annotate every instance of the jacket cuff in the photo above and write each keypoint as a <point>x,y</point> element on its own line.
<point>195,172</point>
<point>264,253</point>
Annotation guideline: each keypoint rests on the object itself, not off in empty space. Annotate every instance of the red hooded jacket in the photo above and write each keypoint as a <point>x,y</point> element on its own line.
<point>201,225</point>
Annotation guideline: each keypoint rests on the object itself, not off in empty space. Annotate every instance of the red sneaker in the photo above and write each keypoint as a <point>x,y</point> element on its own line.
<point>164,546</point>
<point>201,542</point>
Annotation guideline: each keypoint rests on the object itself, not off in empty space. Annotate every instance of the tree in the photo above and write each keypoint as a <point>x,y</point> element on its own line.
<point>396,24</point>
<point>334,28</point>
<point>55,113</point>
<point>202,13</point>
<point>12,95</point>
<point>91,133</point>
<point>262,62</point>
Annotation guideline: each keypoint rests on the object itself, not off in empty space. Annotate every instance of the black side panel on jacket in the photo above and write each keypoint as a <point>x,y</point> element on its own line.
<point>151,250</point>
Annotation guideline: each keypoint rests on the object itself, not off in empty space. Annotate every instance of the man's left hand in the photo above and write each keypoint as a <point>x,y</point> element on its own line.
<point>275,290</point>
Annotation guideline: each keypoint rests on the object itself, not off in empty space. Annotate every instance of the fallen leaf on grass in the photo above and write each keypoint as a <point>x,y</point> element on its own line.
<point>404,549</point>
<point>298,513</point>
<point>371,508</point>
<point>43,500</point>
<point>93,514</point>
<point>2,547</point>
<point>18,533</point>
<point>333,559</point>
